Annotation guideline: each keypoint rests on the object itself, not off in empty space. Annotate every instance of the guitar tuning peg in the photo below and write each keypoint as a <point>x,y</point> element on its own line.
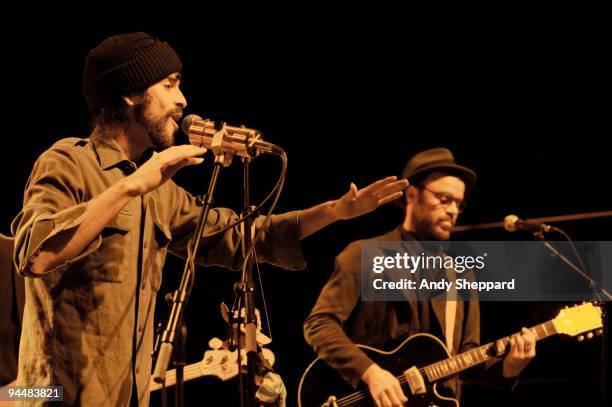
<point>215,343</point>
<point>224,312</point>
<point>590,335</point>
<point>581,338</point>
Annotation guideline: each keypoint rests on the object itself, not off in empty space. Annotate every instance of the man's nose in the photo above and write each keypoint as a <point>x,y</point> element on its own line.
<point>452,208</point>
<point>180,100</point>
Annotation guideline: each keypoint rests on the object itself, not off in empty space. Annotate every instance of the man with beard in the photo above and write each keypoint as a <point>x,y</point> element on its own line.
<point>339,320</point>
<point>100,214</point>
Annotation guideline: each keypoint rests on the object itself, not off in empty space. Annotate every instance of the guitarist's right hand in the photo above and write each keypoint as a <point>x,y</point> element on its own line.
<point>384,388</point>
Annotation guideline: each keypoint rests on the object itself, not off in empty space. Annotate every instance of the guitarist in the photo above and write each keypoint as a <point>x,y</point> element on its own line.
<point>339,319</point>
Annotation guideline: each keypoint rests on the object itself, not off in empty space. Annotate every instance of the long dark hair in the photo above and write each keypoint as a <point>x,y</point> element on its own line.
<point>115,113</point>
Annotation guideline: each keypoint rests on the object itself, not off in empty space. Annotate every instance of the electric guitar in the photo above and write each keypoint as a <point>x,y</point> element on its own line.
<point>219,361</point>
<point>422,361</point>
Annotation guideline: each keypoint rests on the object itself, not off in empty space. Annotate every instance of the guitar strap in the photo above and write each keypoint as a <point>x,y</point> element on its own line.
<point>450,311</point>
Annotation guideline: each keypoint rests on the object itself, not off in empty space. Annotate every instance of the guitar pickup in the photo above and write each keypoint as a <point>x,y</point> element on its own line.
<point>415,381</point>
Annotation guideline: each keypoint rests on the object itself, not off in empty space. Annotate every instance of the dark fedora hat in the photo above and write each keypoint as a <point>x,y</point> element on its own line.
<point>433,160</point>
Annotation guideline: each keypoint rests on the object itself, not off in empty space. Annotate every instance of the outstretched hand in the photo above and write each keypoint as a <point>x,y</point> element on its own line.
<point>357,202</point>
<point>161,167</point>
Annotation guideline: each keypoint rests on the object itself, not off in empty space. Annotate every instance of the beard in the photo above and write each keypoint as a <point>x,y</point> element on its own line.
<point>427,228</point>
<point>157,127</point>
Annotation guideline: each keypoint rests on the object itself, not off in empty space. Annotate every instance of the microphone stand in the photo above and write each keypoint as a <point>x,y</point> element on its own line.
<point>247,291</point>
<point>599,292</point>
<point>175,335</point>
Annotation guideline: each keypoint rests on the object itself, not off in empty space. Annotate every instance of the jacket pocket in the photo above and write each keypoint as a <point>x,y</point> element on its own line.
<point>113,257</point>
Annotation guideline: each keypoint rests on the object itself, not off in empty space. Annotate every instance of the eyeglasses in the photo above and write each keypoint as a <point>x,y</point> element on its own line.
<point>447,199</point>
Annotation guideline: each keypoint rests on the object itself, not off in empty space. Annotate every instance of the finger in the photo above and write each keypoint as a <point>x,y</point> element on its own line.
<point>383,400</point>
<point>392,188</point>
<point>520,345</point>
<point>191,150</point>
<point>530,342</point>
<point>531,352</point>
<point>185,150</point>
<point>375,186</point>
<point>353,190</point>
<point>399,394</point>
<point>528,333</point>
<point>174,167</point>
<point>393,397</point>
<point>513,346</point>
<point>195,160</point>
<point>390,198</point>
<point>175,154</point>
<point>189,161</point>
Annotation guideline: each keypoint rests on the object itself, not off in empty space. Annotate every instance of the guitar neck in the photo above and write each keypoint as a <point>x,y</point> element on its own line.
<point>190,372</point>
<point>481,354</point>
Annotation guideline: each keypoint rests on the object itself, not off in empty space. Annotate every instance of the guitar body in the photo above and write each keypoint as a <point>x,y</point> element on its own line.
<point>426,352</point>
<point>320,381</point>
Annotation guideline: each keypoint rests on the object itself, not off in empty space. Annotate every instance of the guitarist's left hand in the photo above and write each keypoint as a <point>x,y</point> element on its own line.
<point>522,350</point>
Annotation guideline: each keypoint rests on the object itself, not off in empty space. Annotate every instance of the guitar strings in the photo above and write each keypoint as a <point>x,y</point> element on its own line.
<point>189,372</point>
<point>362,395</point>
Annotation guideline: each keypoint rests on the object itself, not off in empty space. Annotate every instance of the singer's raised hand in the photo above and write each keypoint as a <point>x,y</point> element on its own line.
<point>161,167</point>
<point>357,202</point>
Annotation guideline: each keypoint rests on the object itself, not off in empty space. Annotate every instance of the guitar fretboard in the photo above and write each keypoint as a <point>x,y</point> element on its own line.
<point>190,372</point>
<point>481,354</point>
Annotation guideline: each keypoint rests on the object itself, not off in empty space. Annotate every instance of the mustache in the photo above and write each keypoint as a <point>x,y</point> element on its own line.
<point>175,112</point>
<point>446,219</point>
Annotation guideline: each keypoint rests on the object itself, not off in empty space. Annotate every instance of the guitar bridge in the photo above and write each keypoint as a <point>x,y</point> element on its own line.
<point>415,381</point>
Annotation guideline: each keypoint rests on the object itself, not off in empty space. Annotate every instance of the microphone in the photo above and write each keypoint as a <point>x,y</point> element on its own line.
<point>240,141</point>
<point>513,223</point>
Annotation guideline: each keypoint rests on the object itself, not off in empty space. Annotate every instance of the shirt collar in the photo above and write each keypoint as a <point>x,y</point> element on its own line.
<point>108,151</point>
<point>407,235</point>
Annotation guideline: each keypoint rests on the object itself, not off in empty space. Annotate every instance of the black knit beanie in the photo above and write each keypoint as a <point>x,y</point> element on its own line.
<point>123,64</point>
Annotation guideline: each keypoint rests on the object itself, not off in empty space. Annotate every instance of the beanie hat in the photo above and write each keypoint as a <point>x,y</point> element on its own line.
<point>123,64</point>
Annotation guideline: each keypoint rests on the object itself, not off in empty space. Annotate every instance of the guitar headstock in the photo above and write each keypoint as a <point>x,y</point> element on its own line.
<point>220,363</point>
<point>578,319</point>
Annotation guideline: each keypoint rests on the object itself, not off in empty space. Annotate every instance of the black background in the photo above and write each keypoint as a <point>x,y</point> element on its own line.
<point>523,103</point>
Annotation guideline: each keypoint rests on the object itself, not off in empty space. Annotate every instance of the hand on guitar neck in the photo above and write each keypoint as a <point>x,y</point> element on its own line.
<point>522,350</point>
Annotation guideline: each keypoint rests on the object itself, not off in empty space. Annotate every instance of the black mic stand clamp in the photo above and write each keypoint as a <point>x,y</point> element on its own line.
<point>222,155</point>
